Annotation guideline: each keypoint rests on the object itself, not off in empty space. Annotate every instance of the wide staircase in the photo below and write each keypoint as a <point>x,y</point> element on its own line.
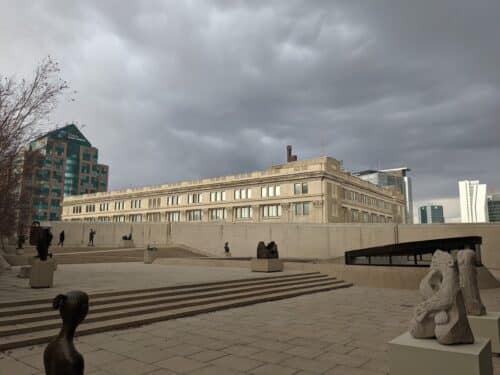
<point>24,323</point>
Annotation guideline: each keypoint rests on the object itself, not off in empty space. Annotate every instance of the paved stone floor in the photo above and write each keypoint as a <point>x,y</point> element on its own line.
<point>339,332</point>
<point>104,277</point>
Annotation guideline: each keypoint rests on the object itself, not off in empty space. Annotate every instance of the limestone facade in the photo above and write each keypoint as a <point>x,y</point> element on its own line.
<point>307,191</point>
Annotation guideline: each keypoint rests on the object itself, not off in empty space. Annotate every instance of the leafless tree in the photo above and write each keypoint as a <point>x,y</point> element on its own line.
<point>23,105</point>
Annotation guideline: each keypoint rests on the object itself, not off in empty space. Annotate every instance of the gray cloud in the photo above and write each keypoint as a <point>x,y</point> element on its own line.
<point>178,90</point>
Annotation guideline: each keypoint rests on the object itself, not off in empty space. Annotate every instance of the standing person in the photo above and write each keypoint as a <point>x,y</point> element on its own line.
<point>61,239</point>
<point>91,237</point>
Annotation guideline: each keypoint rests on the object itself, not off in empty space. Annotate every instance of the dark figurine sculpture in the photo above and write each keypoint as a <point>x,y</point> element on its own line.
<point>41,238</point>
<point>226,248</point>
<point>267,251</point>
<point>60,356</point>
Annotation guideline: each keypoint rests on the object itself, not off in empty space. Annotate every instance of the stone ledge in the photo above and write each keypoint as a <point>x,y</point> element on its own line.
<point>410,356</point>
<point>487,326</point>
<point>266,265</point>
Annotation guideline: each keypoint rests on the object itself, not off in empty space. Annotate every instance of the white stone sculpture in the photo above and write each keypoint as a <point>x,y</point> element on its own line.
<point>442,314</point>
<point>466,260</point>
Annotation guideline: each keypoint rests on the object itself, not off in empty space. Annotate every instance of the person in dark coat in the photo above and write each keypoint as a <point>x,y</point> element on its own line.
<point>61,239</point>
<point>91,237</point>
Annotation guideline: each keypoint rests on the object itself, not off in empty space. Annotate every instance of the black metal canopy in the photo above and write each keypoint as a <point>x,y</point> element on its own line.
<point>414,248</point>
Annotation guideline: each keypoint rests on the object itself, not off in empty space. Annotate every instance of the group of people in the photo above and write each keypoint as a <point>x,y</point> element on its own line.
<point>62,237</point>
<point>92,233</point>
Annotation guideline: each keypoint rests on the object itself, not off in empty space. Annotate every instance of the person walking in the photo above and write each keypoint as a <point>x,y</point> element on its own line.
<point>91,237</point>
<point>61,239</point>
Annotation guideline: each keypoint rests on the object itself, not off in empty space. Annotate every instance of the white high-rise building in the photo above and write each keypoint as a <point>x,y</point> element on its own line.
<point>473,203</point>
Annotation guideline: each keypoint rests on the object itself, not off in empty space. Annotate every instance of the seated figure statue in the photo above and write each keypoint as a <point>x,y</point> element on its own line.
<point>60,356</point>
<point>442,314</point>
<point>466,260</point>
<point>267,251</point>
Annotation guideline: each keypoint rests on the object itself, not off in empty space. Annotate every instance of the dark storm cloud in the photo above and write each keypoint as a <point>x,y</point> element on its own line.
<point>179,90</point>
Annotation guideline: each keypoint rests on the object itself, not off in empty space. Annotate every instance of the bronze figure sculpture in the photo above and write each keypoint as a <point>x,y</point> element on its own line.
<point>60,356</point>
<point>268,251</point>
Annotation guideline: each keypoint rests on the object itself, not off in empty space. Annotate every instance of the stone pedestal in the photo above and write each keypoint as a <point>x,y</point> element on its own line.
<point>487,326</point>
<point>42,273</point>
<point>410,356</point>
<point>266,265</point>
<point>126,244</point>
<point>228,254</point>
<point>149,256</point>
<point>24,272</point>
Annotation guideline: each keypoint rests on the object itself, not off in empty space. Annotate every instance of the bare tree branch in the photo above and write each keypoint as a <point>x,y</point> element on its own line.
<point>23,105</point>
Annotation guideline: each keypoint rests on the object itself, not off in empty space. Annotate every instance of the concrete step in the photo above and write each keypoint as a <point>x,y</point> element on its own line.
<point>93,296</point>
<point>123,310</point>
<point>27,314</point>
<point>172,311</point>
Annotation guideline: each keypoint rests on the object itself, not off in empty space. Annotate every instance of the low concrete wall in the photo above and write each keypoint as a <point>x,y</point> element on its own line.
<point>110,234</point>
<point>313,241</point>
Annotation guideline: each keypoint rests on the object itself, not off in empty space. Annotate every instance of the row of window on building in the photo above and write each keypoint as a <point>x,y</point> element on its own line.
<point>366,217</point>
<point>193,198</point>
<point>366,200</point>
<point>214,214</point>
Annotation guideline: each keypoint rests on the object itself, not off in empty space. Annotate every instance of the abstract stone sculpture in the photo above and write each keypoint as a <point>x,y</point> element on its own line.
<point>442,314</point>
<point>268,251</point>
<point>60,356</point>
<point>466,260</point>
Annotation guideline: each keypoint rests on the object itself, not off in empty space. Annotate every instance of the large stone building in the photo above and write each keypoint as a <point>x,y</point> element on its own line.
<point>59,163</point>
<point>307,191</point>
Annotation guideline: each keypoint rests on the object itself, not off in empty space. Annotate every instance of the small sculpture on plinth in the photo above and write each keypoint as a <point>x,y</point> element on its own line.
<point>41,237</point>
<point>60,356</point>
<point>442,314</point>
<point>269,251</point>
<point>466,260</point>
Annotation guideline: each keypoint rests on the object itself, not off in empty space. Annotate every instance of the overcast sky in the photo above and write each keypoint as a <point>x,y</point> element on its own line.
<point>178,90</point>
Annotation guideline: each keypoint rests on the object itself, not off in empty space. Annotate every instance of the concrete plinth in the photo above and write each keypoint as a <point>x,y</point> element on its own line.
<point>149,256</point>
<point>487,326</point>
<point>42,273</point>
<point>24,272</point>
<point>410,356</point>
<point>266,265</point>
<point>126,244</point>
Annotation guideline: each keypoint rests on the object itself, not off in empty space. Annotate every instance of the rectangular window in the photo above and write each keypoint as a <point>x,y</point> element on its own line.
<point>174,216</point>
<point>300,188</point>
<point>217,213</point>
<point>217,196</point>
<point>272,210</point>
<point>172,200</point>
<point>354,216</point>
<point>302,208</point>
<point>270,191</point>
<point>243,212</point>
<point>193,215</point>
<point>246,194</point>
<point>194,198</point>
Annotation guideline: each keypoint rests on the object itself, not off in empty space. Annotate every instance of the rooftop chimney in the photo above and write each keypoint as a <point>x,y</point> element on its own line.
<point>289,156</point>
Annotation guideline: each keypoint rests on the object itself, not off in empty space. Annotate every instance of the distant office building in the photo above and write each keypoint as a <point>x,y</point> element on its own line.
<point>396,178</point>
<point>59,163</point>
<point>494,208</point>
<point>473,206</point>
<point>431,214</point>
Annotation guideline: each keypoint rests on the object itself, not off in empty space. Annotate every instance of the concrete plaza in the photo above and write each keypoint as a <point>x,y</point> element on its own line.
<point>340,332</point>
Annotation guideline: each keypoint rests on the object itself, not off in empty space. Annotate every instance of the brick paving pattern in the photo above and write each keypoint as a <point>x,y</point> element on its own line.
<point>341,332</point>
